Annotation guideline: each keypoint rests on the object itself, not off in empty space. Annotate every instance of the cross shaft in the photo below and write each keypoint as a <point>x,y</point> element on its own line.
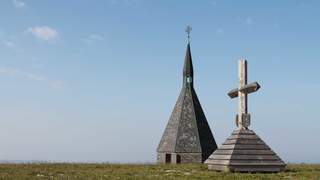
<point>243,97</point>
<point>243,117</point>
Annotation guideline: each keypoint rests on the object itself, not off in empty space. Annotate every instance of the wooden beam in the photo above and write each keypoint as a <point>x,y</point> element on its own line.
<point>250,88</point>
<point>233,93</point>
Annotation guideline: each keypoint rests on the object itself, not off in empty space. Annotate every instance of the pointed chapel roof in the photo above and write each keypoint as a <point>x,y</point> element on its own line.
<point>188,68</point>
<point>187,129</point>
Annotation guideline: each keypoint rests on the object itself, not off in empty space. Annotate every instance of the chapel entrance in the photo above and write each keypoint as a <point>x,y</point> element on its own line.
<point>178,159</point>
<point>168,158</point>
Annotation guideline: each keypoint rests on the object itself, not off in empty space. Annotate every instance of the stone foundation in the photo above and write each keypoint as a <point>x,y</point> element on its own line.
<point>177,158</point>
<point>244,151</point>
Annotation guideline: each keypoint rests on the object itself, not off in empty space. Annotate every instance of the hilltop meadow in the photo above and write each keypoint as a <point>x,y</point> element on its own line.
<point>141,171</point>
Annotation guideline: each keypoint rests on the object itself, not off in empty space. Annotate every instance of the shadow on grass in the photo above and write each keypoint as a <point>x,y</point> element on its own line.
<point>287,170</point>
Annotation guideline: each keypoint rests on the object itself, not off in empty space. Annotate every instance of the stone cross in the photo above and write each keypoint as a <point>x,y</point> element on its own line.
<point>243,117</point>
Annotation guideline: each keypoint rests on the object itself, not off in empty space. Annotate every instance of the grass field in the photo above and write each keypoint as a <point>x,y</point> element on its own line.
<point>115,171</point>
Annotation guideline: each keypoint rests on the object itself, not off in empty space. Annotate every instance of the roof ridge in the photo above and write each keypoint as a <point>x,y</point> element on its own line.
<point>179,123</point>
<point>195,114</point>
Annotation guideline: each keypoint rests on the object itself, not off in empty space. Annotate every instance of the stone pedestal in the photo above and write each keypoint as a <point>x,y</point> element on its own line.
<point>244,151</point>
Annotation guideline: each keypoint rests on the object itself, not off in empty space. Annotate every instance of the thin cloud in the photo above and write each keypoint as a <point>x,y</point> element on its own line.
<point>126,2</point>
<point>219,31</point>
<point>7,43</point>
<point>44,33</point>
<point>248,20</point>
<point>93,38</point>
<point>19,3</point>
<point>245,20</point>
<point>14,72</point>
<point>57,84</point>
<point>36,63</point>
<point>213,3</point>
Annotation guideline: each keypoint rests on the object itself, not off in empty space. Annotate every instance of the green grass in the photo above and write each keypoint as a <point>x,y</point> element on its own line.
<point>117,171</point>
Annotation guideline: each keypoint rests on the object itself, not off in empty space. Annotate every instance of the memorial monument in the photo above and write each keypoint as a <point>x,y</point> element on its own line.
<point>244,151</point>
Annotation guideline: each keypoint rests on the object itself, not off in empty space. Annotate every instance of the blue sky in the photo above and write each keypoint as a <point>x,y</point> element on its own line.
<point>89,80</point>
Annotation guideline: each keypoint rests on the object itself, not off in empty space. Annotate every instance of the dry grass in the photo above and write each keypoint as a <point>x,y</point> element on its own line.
<point>117,171</point>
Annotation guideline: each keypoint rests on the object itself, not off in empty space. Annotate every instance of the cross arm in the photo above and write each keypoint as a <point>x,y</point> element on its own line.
<point>247,89</point>
<point>233,93</point>
<point>250,88</point>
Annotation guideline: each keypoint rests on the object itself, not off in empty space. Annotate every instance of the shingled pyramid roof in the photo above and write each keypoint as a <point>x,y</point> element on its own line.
<point>187,130</point>
<point>244,151</point>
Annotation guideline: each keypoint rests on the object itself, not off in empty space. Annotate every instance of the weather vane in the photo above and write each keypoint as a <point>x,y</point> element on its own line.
<point>188,31</point>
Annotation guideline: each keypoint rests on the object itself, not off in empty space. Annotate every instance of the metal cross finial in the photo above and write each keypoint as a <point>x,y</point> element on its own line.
<point>188,31</point>
<point>243,117</point>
